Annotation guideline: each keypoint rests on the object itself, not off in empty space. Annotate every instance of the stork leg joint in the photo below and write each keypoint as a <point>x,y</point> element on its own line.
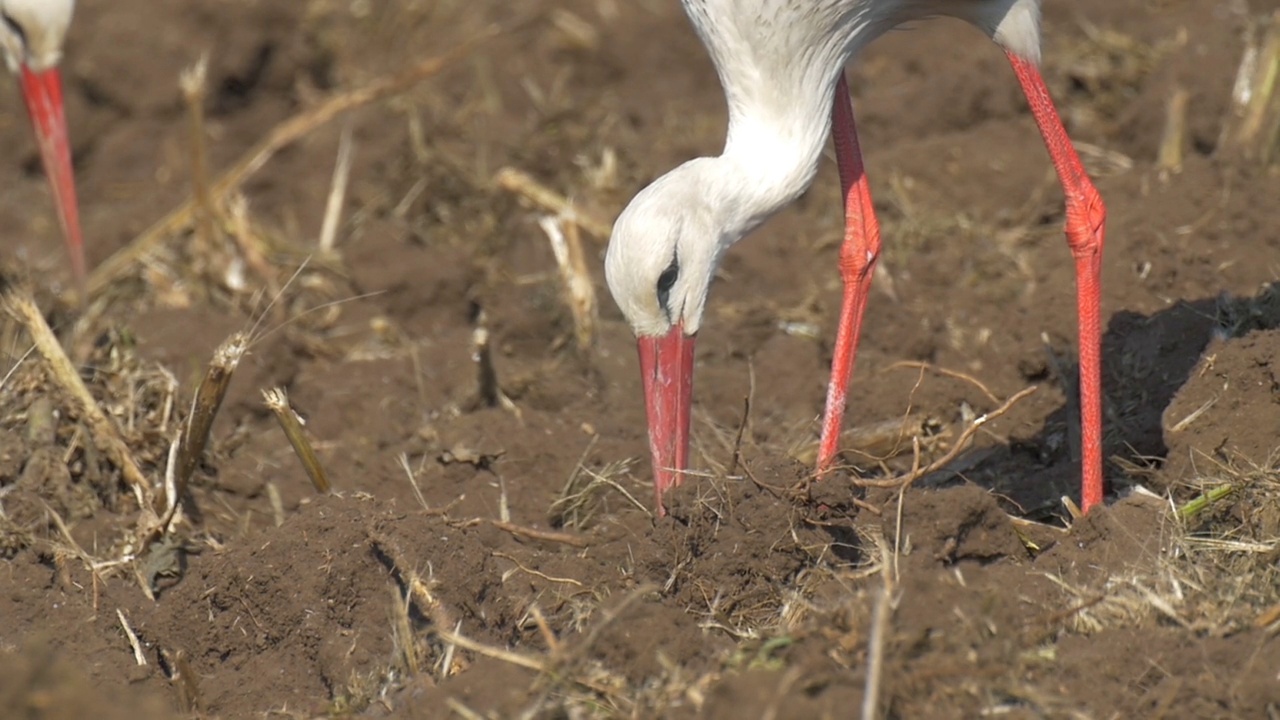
<point>1086,221</point>
<point>858,255</point>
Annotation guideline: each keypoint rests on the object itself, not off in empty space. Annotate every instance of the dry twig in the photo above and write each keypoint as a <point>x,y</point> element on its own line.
<point>916,365</point>
<point>138,656</point>
<point>192,84</point>
<point>402,632</point>
<point>536,534</point>
<point>580,293</point>
<point>878,636</point>
<point>513,658</point>
<point>961,444</point>
<point>282,135</point>
<point>523,184</point>
<point>1169,156</point>
<point>337,192</point>
<point>879,441</point>
<point>736,459</point>
<point>250,244</point>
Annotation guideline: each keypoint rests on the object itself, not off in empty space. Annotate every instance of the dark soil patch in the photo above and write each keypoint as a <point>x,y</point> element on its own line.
<point>501,560</point>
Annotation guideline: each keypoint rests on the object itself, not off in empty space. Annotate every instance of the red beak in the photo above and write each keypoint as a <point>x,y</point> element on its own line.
<point>43,92</point>
<point>666,366</point>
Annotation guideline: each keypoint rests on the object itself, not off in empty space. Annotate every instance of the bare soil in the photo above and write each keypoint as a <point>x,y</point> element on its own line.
<point>501,560</point>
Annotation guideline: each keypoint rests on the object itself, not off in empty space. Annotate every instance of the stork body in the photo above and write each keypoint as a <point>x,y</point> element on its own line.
<point>781,64</point>
<point>31,36</point>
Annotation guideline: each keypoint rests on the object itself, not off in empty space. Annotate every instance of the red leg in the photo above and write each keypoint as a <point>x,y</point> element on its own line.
<point>1085,228</point>
<point>858,257</point>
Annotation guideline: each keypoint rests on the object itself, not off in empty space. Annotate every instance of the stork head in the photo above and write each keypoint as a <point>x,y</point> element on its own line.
<point>31,36</point>
<point>662,255</point>
<point>32,31</point>
<point>659,266</point>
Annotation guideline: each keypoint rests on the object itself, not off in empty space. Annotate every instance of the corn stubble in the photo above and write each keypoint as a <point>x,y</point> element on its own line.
<point>277,401</point>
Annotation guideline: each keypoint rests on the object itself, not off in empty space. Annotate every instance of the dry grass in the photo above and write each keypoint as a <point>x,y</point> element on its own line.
<point>585,493</point>
<point>1107,66</point>
<point>286,133</point>
<point>127,411</point>
<point>1214,571</point>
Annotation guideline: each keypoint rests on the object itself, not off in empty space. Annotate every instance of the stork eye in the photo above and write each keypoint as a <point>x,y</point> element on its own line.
<point>666,281</point>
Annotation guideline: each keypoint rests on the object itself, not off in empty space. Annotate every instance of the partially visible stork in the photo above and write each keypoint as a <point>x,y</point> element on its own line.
<point>31,35</point>
<point>781,63</point>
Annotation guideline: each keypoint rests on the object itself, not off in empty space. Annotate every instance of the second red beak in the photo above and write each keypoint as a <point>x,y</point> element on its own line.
<point>42,91</point>
<point>666,366</point>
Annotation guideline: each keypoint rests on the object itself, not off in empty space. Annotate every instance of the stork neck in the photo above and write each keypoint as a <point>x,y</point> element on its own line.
<point>769,160</point>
